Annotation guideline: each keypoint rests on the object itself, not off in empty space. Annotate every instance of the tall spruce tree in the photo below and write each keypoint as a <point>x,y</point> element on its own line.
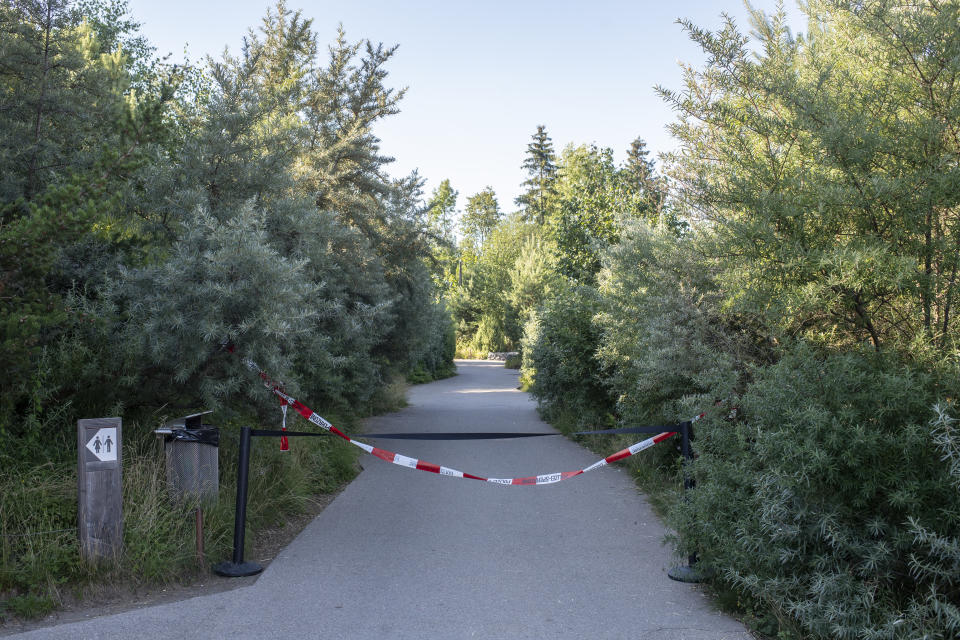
<point>541,168</point>
<point>638,166</point>
<point>645,192</point>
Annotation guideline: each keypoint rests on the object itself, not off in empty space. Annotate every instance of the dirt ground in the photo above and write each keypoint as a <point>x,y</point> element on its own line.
<point>106,600</point>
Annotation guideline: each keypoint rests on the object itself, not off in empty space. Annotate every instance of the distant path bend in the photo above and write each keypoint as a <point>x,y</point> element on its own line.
<point>408,554</point>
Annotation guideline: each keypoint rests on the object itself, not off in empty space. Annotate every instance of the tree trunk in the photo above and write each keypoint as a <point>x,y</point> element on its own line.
<point>41,102</point>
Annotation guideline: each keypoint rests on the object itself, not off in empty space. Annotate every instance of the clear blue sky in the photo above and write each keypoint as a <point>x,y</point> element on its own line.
<point>483,75</point>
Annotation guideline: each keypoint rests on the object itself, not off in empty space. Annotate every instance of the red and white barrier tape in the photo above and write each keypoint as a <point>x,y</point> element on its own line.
<point>413,463</point>
<point>549,478</point>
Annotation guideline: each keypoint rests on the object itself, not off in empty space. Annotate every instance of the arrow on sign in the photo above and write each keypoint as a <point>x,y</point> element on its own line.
<point>104,444</point>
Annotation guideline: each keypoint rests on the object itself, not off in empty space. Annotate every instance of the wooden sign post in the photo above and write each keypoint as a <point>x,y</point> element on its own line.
<point>100,491</point>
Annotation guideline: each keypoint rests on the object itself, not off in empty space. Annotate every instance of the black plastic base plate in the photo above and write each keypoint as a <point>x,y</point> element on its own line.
<point>688,574</point>
<point>237,569</point>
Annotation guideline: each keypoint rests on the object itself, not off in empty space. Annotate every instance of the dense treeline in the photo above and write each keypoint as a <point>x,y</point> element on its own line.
<point>793,274</point>
<point>823,176</point>
<point>574,205</point>
<point>791,271</point>
<point>153,212</point>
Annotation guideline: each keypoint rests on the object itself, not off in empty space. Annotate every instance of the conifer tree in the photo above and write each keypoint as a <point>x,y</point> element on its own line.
<point>149,213</point>
<point>40,51</point>
<point>638,166</point>
<point>72,133</point>
<point>342,167</point>
<point>287,144</point>
<point>541,168</point>
<point>644,191</point>
<point>533,276</point>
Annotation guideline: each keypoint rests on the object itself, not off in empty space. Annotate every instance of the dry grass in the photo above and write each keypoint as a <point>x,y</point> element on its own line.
<point>41,565</point>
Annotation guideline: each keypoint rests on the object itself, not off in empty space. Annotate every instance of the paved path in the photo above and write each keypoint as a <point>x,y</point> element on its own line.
<point>408,554</point>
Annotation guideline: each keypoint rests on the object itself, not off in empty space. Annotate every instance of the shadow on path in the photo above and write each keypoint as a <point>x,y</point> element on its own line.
<point>408,554</point>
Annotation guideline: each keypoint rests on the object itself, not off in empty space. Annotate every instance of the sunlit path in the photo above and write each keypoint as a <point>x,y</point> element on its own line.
<point>406,554</point>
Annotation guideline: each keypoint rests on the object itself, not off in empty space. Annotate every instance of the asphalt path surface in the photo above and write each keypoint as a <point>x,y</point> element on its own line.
<point>409,554</point>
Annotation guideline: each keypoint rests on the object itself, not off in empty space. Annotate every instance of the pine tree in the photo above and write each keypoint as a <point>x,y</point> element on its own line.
<point>283,149</point>
<point>541,167</point>
<point>62,100</point>
<point>533,276</point>
<point>342,167</point>
<point>638,166</point>
<point>72,132</point>
<point>645,192</point>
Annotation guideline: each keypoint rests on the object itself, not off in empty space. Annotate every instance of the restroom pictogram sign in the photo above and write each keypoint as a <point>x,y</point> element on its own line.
<point>104,444</point>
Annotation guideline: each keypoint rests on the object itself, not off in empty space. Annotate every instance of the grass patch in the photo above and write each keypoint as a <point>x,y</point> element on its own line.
<point>390,397</point>
<point>421,375</point>
<point>27,606</point>
<point>39,549</point>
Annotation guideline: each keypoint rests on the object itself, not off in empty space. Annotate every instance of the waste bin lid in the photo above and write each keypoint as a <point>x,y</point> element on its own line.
<point>210,436</point>
<point>193,421</point>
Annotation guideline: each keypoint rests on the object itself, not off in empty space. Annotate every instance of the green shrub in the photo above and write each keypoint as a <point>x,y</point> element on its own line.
<point>38,534</point>
<point>664,342</point>
<point>466,351</point>
<point>38,530</point>
<point>826,499</point>
<point>560,352</point>
<point>435,358</point>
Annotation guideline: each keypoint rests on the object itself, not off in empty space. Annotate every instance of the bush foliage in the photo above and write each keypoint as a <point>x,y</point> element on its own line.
<point>560,353</point>
<point>812,497</point>
<point>152,214</point>
<point>792,274</point>
<point>806,307</point>
<point>243,203</point>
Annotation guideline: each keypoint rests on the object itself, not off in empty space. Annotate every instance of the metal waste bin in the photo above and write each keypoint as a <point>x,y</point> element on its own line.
<point>191,449</point>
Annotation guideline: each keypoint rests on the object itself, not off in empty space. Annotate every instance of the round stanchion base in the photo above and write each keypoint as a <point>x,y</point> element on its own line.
<point>689,574</point>
<point>237,569</point>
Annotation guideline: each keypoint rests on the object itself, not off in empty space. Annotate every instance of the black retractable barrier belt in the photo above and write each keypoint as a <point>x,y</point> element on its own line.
<point>477,435</point>
<point>495,435</point>
<point>470,435</point>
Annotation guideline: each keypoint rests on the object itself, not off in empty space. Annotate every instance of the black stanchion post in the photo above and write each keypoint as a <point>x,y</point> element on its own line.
<point>688,482</point>
<point>689,573</point>
<point>237,567</point>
